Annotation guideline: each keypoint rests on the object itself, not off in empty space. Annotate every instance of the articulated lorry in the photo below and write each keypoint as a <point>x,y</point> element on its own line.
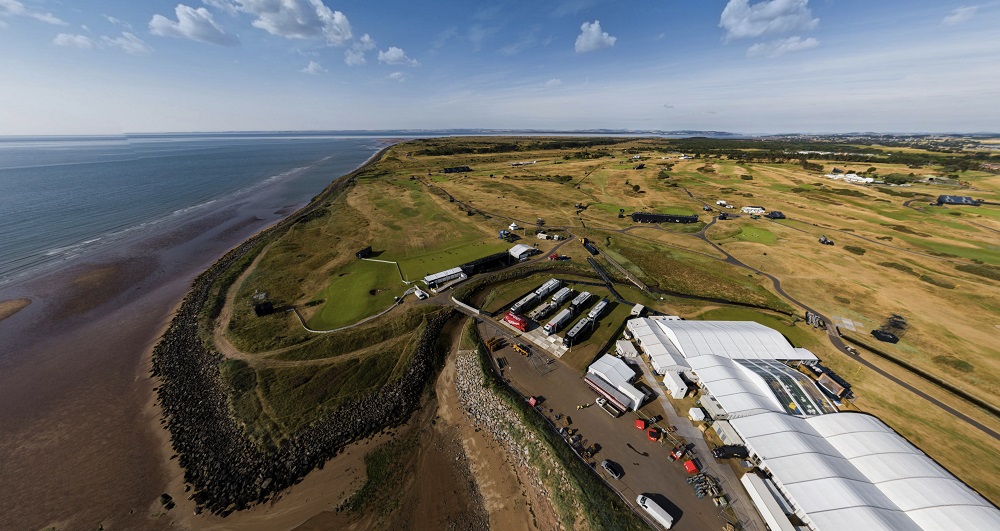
<point>557,322</point>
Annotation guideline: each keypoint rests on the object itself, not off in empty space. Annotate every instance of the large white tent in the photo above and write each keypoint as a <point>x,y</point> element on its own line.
<point>617,375</point>
<point>851,470</point>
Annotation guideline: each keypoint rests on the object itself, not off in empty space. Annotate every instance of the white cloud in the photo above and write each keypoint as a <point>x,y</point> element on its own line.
<point>129,44</point>
<point>118,22</point>
<point>396,56</point>
<point>313,68</point>
<point>398,76</point>
<point>72,40</point>
<point>15,8</point>
<point>960,14</point>
<point>222,5</point>
<point>298,19</point>
<point>572,7</point>
<point>195,24</point>
<point>781,47</point>
<point>740,19</point>
<point>592,38</point>
<point>554,82</point>
<point>355,56</point>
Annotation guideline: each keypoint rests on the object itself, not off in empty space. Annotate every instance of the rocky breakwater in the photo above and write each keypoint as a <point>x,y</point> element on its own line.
<point>226,469</point>
<point>524,448</point>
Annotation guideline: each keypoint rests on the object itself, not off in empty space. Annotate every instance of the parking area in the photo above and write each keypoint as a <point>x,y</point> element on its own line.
<point>646,465</point>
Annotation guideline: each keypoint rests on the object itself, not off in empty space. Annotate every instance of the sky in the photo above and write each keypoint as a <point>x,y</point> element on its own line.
<point>747,66</point>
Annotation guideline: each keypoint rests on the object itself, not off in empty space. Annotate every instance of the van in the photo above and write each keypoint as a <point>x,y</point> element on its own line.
<point>658,513</point>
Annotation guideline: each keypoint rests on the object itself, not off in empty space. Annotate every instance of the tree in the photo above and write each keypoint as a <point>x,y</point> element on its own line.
<point>635,188</point>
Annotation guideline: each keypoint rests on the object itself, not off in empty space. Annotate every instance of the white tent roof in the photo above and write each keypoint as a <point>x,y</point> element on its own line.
<point>731,339</point>
<point>739,391</point>
<point>848,470</point>
<point>519,249</point>
<point>618,374</point>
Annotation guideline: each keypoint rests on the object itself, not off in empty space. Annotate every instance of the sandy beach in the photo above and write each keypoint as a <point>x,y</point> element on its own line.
<point>80,433</point>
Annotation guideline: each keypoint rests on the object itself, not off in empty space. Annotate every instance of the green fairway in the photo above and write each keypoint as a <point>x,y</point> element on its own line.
<point>416,267</point>
<point>749,233</point>
<point>349,297</point>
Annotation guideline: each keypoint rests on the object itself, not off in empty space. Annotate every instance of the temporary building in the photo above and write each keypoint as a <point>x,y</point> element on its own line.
<point>675,384</point>
<point>696,414</point>
<point>850,470</point>
<point>727,434</point>
<point>438,279</point>
<point>522,251</point>
<point>615,374</point>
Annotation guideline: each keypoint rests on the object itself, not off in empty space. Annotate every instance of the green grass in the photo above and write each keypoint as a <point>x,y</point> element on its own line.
<point>417,266</point>
<point>675,210</point>
<point>349,297</point>
<point>750,233</point>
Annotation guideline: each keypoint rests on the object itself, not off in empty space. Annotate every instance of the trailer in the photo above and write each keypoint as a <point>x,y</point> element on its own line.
<point>577,330</point>
<point>579,301</point>
<point>557,322</point>
<point>608,407</point>
<point>520,306</point>
<point>560,297</point>
<point>516,321</point>
<point>550,285</point>
<point>542,311</point>
<point>599,309</point>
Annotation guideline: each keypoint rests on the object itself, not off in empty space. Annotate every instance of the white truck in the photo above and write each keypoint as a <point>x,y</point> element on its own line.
<point>599,309</point>
<point>520,306</point>
<point>557,322</point>
<point>550,285</point>
<point>654,510</point>
<point>561,296</point>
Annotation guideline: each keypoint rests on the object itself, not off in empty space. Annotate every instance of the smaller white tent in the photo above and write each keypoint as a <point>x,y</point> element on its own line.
<point>696,414</point>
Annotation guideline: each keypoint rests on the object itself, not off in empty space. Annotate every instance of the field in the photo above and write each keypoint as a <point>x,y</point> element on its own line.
<point>894,253</point>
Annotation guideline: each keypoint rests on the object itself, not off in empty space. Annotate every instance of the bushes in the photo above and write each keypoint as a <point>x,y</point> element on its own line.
<point>856,250</point>
<point>986,271</point>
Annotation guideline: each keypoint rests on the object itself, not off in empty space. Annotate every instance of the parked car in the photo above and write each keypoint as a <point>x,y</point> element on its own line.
<point>612,468</point>
<point>730,451</point>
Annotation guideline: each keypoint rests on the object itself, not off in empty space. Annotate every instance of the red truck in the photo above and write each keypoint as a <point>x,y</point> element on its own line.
<point>517,322</point>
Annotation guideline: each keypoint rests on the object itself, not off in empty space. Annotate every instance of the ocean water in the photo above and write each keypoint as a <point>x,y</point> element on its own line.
<point>64,197</point>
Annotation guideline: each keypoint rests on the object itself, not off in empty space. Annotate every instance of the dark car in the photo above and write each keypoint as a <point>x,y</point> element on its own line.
<point>612,468</point>
<point>730,451</point>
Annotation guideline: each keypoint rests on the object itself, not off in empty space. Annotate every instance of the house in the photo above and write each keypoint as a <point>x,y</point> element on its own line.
<point>752,210</point>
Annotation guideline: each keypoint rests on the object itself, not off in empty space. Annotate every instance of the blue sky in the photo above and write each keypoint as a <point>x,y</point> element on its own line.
<point>753,66</point>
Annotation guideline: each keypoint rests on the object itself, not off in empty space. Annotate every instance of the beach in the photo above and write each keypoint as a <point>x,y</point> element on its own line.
<point>80,430</point>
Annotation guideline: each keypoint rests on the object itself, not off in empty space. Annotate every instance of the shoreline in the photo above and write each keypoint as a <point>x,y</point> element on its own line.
<point>11,306</point>
<point>81,445</point>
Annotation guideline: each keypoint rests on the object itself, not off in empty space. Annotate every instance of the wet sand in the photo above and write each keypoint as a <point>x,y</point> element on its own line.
<point>77,427</point>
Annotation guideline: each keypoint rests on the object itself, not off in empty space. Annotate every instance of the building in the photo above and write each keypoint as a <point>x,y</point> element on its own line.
<point>752,210</point>
<point>827,470</point>
<point>364,253</point>
<point>457,169</point>
<point>645,217</point>
<point>440,279</point>
<point>521,251</point>
<point>956,200</point>
<point>611,378</point>
<point>774,214</point>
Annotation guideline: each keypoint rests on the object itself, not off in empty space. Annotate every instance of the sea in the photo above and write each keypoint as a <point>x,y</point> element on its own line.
<point>62,198</point>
